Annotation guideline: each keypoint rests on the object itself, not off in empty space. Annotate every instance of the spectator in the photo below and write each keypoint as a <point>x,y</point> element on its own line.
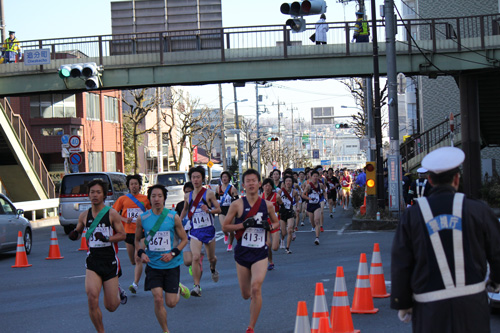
<point>321,30</point>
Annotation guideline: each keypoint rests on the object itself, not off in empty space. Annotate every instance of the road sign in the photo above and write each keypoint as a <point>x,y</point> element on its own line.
<point>275,163</point>
<point>210,164</point>
<point>305,138</point>
<point>65,139</point>
<point>75,150</point>
<point>315,153</point>
<point>65,152</point>
<point>75,141</point>
<point>326,162</point>
<point>37,57</point>
<point>75,159</point>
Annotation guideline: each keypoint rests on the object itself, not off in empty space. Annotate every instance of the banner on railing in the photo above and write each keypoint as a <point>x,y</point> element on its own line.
<point>37,57</point>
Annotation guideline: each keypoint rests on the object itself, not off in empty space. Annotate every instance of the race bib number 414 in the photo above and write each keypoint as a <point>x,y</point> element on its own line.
<point>254,237</point>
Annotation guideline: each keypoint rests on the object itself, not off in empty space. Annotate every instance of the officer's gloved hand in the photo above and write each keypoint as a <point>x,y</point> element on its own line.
<point>492,287</point>
<point>20,56</point>
<point>405,315</point>
<point>101,237</point>
<point>249,223</point>
<point>73,235</point>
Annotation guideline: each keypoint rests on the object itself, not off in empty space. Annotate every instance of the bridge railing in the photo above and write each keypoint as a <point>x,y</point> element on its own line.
<point>260,41</point>
<point>30,149</point>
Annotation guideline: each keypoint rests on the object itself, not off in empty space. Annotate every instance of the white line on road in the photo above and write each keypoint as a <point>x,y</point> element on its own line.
<point>74,277</point>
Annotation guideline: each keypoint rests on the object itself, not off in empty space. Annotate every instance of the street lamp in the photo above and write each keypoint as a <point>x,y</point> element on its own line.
<point>237,121</point>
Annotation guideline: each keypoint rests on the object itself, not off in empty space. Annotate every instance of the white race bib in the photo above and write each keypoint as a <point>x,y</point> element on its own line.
<point>254,237</point>
<point>201,220</point>
<point>160,242</point>
<point>133,213</point>
<point>97,243</point>
<point>314,197</point>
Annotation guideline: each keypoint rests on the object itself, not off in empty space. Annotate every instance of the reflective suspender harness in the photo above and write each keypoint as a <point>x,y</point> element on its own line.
<point>434,225</point>
<point>421,188</point>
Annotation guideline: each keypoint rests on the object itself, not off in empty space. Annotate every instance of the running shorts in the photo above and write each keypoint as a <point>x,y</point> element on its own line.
<point>105,268</point>
<point>167,279</point>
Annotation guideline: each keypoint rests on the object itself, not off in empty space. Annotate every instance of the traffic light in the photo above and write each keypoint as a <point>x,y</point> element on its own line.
<point>296,24</point>
<point>272,138</point>
<point>304,8</point>
<point>88,72</point>
<point>371,175</point>
<point>342,125</point>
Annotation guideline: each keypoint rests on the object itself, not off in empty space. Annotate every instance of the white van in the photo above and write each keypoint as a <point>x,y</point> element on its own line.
<point>174,182</point>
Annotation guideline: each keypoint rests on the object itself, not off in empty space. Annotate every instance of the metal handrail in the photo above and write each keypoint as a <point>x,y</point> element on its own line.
<point>29,148</point>
<point>423,142</point>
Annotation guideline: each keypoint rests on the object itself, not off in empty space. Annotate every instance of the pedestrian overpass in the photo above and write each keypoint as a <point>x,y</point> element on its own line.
<point>465,47</point>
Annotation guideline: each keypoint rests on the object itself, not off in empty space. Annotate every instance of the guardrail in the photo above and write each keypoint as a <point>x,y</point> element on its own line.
<point>36,205</point>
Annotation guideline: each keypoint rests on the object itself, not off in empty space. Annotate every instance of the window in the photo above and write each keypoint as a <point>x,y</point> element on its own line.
<point>53,106</point>
<point>6,206</point>
<point>111,109</point>
<point>95,161</point>
<point>52,131</point>
<point>119,183</point>
<point>111,161</point>
<point>93,107</point>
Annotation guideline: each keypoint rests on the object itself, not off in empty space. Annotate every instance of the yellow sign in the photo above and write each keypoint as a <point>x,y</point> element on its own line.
<point>210,164</point>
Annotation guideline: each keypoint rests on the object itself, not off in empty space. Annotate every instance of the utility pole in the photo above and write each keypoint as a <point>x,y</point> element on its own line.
<point>257,123</point>
<point>279,133</point>
<point>2,21</point>
<point>293,136</point>
<point>158,132</point>
<point>223,134</point>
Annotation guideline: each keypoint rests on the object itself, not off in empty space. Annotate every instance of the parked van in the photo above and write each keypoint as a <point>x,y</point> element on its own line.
<point>74,199</point>
<point>174,182</point>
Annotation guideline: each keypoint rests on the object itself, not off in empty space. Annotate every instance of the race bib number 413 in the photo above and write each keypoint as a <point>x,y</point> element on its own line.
<point>160,242</point>
<point>254,237</point>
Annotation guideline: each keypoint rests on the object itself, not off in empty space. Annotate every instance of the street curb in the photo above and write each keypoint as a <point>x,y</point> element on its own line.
<point>47,222</point>
<point>367,224</point>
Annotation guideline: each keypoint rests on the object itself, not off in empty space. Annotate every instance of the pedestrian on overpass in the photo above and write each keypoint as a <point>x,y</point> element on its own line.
<point>440,254</point>
<point>321,30</point>
<point>11,48</point>
<point>104,230</point>
<point>130,206</point>
<point>361,31</point>
<point>248,219</point>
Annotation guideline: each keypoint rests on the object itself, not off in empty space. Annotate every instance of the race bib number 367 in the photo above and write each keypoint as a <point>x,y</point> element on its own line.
<point>254,237</point>
<point>160,242</point>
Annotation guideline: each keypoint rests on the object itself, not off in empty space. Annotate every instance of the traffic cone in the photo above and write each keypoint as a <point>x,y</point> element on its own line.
<point>340,314</point>
<point>324,325</point>
<point>320,308</point>
<point>54,252</point>
<point>363,301</point>
<point>362,209</point>
<point>173,206</point>
<point>21,258</point>
<point>83,243</point>
<point>377,280</point>
<point>302,324</point>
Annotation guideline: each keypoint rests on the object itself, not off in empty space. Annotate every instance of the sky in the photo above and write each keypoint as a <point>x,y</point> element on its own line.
<point>62,18</point>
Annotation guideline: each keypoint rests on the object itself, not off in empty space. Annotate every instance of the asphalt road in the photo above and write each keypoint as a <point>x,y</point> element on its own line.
<point>50,295</point>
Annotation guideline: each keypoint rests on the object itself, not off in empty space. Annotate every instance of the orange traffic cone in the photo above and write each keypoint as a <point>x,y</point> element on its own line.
<point>83,243</point>
<point>54,252</point>
<point>340,314</point>
<point>21,258</point>
<point>362,209</point>
<point>302,324</point>
<point>363,301</point>
<point>320,308</point>
<point>324,325</point>
<point>377,280</point>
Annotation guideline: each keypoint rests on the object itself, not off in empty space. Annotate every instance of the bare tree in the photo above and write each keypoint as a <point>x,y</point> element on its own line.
<point>142,103</point>
<point>249,128</point>
<point>210,129</point>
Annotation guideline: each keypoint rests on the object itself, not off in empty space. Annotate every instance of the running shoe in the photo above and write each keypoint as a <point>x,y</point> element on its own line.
<point>331,215</point>
<point>123,295</point>
<point>133,288</point>
<point>190,270</point>
<point>250,330</point>
<point>293,236</point>
<point>334,209</point>
<point>184,291</point>
<point>282,244</point>
<point>316,241</point>
<point>322,230</point>
<point>296,228</point>
<point>270,267</point>
<point>229,247</point>
<point>288,251</point>
<point>313,229</point>
<point>302,224</point>
<point>196,291</point>
<point>215,276</point>
<point>226,239</point>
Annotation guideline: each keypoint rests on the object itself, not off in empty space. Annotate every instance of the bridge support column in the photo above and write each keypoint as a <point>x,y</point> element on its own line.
<point>471,142</point>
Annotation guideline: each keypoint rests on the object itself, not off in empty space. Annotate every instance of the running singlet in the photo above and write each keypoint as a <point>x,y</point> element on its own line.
<point>162,241</point>
<point>286,202</point>
<point>346,180</point>
<point>128,208</point>
<point>225,200</point>
<point>273,198</point>
<point>202,224</point>
<point>97,248</point>
<point>314,194</point>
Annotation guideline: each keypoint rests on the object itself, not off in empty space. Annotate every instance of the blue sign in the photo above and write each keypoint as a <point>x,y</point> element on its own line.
<point>37,57</point>
<point>326,162</point>
<point>65,139</point>
<point>75,158</point>
<point>315,153</point>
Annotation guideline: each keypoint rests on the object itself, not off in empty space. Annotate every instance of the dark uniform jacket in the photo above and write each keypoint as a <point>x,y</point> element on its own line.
<point>414,268</point>
<point>413,190</point>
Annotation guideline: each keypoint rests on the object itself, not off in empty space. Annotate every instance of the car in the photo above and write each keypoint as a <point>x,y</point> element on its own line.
<point>174,182</point>
<point>212,185</point>
<point>74,198</point>
<point>11,222</point>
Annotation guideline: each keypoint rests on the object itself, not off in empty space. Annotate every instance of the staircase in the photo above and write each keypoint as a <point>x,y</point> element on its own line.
<point>22,170</point>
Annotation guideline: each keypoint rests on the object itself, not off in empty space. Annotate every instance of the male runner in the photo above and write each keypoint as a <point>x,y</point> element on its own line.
<point>250,252</point>
<point>225,194</point>
<point>130,206</point>
<point>333,183</point>
<point>196,208</point>
<point>346,188</point>
<point>276,176</point>
<point>161,227</point>
<point>312,192</point>
<point>301,205</point>
<point>322,199</point>
<point>289,197</point>
<point>273,197</point>
<point>103,232</point>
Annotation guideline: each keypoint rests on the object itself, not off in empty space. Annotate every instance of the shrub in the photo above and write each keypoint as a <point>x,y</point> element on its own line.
<point>357,197</point>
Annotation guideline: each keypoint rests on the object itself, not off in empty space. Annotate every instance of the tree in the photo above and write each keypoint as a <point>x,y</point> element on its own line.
<point>142,102</point>
<point>210,124</point>
<point>248,126</point>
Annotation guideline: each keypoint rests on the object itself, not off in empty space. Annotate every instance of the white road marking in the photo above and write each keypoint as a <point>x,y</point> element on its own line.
<point>219,235</point>
<point>74,277</point>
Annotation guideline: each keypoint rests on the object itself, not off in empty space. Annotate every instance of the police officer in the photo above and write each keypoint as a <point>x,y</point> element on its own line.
<point>11,48</point>
<point>440,254</point>
<point>420,187</point>
<point>361,32</point>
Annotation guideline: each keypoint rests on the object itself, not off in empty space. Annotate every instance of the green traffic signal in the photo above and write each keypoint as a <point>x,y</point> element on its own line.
<point>64,71</point>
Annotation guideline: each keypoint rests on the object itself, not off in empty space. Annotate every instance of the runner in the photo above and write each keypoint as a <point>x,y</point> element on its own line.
<point>312,192</point>
<point>301,205</point>
<point>346,188</point>
<point>333,184</point>
<point>250,252</point>
<point>130,206</point>
<point>103,232</point>
<point>161,227</point>
<point>276,178</point>
<point>322,199</point>
<point>225,194</point>
<point>289,196</point>
<point>196,208</point>
<point>273,242</point>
